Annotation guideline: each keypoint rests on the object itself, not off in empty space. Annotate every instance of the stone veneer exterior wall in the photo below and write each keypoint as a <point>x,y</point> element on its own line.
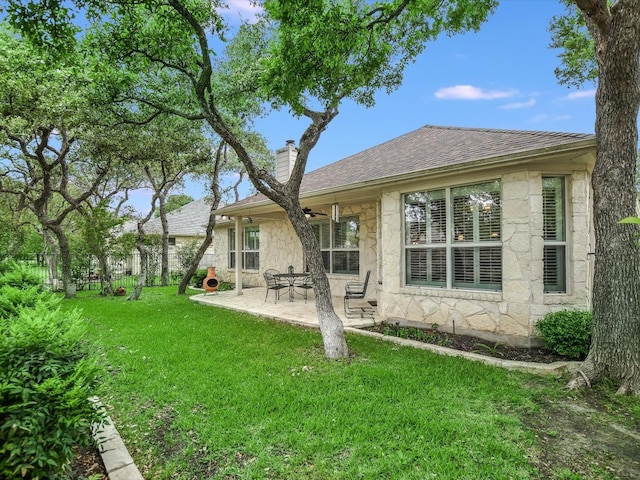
<point>508,315</point>
<point>280,247</point>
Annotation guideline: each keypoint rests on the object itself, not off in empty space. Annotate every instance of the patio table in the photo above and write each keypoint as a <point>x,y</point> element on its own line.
<point>291,278</point>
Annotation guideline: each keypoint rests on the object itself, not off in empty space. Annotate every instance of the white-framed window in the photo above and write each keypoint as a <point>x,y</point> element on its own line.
<point>554,234</point>
<point>250,249</point>
<point>453,237</point>
<point>339,244</point>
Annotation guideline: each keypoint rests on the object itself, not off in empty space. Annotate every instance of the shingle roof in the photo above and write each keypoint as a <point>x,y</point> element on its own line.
<point>189,220</point>
<point>426,148</point>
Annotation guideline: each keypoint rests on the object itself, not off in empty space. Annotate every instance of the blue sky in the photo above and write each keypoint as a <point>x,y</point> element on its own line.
<point>500,77</point>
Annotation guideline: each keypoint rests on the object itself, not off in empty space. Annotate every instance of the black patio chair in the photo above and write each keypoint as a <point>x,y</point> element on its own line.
<point>357,291</point>
<point>273,283</point>
<point>304,284</point>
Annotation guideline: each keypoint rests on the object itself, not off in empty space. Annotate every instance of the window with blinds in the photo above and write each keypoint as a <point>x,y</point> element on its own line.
<point>477,249</point>
<point>250,248</point>
<point>339,244</point>
<point>470,256</point>
<point>554,234</point>
<point>425,216</point>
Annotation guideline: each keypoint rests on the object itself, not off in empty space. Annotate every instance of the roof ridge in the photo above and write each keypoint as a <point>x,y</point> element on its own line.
<point>545,133</point>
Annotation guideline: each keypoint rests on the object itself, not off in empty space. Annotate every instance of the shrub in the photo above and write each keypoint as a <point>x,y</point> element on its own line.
<point>567,332</point>
<point>47,374</point>
<point>13,299</point>
<point>17,275</point>
<point>198,277</point>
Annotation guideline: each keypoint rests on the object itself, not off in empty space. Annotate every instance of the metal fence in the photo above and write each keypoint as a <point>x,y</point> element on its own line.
<point>124,271</point>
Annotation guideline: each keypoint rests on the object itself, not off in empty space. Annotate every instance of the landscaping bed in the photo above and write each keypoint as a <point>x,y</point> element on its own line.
<point>467,343</point>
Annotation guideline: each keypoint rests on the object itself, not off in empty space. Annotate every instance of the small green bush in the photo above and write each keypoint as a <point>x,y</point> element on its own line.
<point>18,275</point>
<point>13,299</point>
<point>47,375</point>
<point>567,332</point>
<point>225,286</point>
<point>198,277</point>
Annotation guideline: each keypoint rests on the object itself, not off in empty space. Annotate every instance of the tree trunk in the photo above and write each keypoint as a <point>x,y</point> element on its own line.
<point>220,159</point>
<point>106,279</point>
<point>65,258</point>
<point>191,270</point>
<point>142,277</point>
<point>335,345</point>
<point>164,275</point>
<point>614,351</point>
<point>51,256</point>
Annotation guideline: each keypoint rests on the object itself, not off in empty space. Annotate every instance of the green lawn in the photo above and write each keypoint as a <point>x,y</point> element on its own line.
<point>200,392</point>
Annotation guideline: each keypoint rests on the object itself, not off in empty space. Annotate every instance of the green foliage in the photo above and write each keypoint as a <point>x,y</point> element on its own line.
<point>46,24</point>
<point>492,350</point>
<point>198,277</point>
<point>187,253</point>
<point>569,33</point>
<point>333,50</point>
<point>567,332</point>
<point>174,202</point>
<point>13,299</point>
<point>17,275</point>
<point>47,374</point>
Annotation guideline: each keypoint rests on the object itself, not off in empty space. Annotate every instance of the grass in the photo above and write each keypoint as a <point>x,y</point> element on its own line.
<point>201,392</point>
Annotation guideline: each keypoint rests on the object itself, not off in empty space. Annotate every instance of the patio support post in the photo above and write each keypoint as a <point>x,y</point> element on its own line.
<point>239,256</point>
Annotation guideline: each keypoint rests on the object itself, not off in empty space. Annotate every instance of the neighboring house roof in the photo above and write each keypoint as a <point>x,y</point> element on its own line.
<point>429,148</point>
<point>187,221</point>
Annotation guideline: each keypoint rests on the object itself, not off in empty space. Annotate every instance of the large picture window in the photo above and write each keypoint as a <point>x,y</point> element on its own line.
<point>250,249</point>
<point>339,244</point>
<point>554,234</point>
<point>453,237</point>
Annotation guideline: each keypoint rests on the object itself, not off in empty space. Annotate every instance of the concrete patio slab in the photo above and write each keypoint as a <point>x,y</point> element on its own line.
<point>296,312</point>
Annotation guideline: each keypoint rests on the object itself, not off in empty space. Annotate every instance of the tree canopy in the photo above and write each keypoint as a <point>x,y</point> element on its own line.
<point>307,56</point>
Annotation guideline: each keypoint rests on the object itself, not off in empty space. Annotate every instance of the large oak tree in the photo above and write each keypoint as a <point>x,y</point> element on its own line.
<point>315,54</point>
<point>610,53</point>
<point>42,127</point>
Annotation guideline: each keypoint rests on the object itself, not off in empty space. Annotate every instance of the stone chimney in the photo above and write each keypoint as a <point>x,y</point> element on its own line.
<point>285,159</point>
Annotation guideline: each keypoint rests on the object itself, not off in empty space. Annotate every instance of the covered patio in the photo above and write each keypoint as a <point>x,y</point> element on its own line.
<point>296,312</point>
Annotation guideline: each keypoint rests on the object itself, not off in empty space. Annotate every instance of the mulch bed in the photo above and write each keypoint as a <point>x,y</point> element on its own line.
<point>88,464</point>
<point>468,343</point>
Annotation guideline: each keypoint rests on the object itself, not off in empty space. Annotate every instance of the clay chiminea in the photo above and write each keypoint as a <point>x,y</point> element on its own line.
<point>210,282</point>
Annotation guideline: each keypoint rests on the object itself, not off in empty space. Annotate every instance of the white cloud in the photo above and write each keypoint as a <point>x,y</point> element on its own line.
<point>516,105</point>
<point>469,92</point>
<point>246,9</point>
<point>549,118</point>
<point>580,94</point>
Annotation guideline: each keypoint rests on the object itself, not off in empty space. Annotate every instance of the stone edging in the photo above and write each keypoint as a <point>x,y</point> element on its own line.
<point>555,368</point>
<point>115,456</point>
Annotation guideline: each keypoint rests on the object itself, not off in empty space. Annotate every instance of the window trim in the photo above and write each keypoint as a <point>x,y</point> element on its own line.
<point>450,245</point>
<point>232,248</point>
<point>332,249</point>
<point>562,273</point>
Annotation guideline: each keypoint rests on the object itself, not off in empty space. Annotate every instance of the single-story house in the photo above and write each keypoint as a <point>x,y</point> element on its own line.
<point>481,231</point>
<point>186,225</point>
